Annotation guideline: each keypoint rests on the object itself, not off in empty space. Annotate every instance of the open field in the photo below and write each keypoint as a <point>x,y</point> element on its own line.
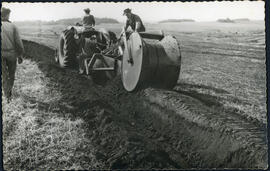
<point>214,118</point>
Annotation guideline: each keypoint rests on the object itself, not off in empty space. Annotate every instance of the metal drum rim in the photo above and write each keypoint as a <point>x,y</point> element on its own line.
<point>139,73</point>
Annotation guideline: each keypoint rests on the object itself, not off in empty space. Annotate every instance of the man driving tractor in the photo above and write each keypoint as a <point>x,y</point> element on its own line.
<point>88,20</point>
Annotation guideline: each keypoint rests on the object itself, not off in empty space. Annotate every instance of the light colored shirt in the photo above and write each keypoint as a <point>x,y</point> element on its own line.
<point>12,46</point>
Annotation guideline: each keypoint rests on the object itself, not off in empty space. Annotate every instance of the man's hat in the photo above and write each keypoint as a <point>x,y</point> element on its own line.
<point>4,11</point>
<point>127,11</point>
<point>87,10</point>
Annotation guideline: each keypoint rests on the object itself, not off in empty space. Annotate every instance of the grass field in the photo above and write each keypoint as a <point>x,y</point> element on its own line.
<point>223,69</point>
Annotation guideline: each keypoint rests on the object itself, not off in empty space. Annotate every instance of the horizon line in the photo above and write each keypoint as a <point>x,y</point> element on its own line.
<point>146,21</point>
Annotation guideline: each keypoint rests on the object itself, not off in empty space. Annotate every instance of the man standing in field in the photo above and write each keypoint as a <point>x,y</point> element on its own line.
<point>134,21</point>
<point>88,20</point>
<point>11,51</point>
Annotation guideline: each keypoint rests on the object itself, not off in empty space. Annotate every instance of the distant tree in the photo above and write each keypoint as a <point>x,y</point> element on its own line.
<point>68,21</point>
<point>73,21</point>
<point>227,20</point>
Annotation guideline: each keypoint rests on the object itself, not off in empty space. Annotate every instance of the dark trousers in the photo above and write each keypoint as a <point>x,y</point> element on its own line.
<point>8,75</point>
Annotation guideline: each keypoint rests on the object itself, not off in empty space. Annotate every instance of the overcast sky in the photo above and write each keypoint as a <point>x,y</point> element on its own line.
<point>148,11</point>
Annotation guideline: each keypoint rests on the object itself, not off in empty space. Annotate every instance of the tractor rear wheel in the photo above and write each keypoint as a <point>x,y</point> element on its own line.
<point>67,50</point>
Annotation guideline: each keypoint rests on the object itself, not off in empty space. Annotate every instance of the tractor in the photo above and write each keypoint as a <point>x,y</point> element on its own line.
<point>142,59</point>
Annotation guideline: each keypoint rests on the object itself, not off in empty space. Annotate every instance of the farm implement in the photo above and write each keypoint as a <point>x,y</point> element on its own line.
<point>143,59</point>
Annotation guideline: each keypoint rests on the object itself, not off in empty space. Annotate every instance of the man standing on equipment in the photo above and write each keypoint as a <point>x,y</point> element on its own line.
<point>134,21</point>
<point>88,20</point>
<point>11,51</point>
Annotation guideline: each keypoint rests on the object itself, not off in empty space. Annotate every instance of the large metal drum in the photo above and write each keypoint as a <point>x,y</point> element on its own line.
<point>150,63</point>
